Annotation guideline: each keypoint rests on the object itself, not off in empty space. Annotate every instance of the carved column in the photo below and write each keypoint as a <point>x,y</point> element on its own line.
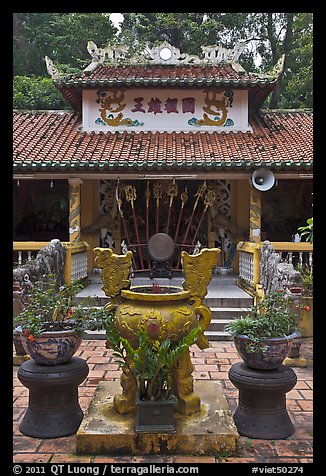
<point>255,215</point>
<point>74,209</point>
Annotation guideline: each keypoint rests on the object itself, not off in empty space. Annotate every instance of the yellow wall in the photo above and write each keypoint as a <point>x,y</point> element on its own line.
<point>90,196</point>
<point>239,211</point>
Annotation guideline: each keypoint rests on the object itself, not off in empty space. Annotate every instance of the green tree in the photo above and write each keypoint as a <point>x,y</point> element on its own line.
<point>186,31</point>
<point>297,91</point>
<point>36,93</point>
<point>61,36</point>
<point>269,35</point>
<point>64,36</point>
<point>275,34</point>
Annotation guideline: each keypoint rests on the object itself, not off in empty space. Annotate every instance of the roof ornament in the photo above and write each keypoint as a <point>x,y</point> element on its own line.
<point>51,68</point>
<point>277,69</point>
<point>275,72</point>
<point>168,54</point>
<point>164,53</point>
<point>218,54</point>
<point>99,55</point>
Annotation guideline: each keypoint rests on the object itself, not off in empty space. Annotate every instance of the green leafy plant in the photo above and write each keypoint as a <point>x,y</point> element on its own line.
<point>274,316</point>
<point>307,279</point>
<point>307,230</point>
<point>151,363</point>
<point>51,308</point>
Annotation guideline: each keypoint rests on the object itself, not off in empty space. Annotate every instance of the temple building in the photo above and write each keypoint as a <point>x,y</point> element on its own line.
<point>168,143</point>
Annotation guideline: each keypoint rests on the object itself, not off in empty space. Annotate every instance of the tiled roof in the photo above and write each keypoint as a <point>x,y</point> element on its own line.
<point>222,74</point>
<point>52,142</point>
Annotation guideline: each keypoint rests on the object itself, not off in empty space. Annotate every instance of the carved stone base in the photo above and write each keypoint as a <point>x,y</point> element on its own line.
<point>104,431</point>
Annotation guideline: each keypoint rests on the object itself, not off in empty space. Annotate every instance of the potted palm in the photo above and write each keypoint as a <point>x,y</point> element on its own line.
<point>151,365</point>
<point>263,338</point>
<point>50,327</point>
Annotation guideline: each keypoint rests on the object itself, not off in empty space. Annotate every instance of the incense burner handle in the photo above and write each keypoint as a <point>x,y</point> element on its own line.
<point>205,315</point>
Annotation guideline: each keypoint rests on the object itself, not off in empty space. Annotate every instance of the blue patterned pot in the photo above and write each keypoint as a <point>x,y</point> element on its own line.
<point>52,347</point>
<point>270,359</point>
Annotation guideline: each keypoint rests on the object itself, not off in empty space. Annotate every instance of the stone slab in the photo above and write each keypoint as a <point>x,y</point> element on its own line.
<point>208,432</point>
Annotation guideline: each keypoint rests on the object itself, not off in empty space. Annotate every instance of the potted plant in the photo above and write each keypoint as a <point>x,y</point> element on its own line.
<point>263,338</point>
<point>50,327</point>
<point>307,230</point>
<point>151,365</point>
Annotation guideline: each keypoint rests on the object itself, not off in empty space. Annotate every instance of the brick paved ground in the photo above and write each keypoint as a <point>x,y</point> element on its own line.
<point>212,363</point>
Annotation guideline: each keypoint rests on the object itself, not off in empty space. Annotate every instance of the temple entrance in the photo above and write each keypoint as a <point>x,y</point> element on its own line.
<point>139,209</point>
<point>145,208</point>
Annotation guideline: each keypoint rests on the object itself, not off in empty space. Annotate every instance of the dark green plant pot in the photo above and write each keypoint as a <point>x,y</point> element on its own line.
<point>270,359</point>
<point>155,416</point>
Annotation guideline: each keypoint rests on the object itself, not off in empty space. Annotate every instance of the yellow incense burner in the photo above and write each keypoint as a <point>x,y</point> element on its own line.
<point>164,311</point>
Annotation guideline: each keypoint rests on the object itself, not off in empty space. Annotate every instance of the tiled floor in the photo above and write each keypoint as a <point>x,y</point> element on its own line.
<point>212,363</point>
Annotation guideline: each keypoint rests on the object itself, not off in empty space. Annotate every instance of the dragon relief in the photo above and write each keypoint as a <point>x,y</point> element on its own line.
<point>218,108</point>
<point>113,104</point>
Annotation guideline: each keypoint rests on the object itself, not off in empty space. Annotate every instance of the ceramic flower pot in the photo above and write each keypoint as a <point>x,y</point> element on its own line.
<point>270,359</point>
<point>53,347</point>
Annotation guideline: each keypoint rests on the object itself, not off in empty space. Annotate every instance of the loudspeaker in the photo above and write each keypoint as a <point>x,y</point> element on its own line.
<point>263,179</point>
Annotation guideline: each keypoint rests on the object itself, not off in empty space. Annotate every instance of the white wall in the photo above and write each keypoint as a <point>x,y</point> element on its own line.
<point>100,107</point>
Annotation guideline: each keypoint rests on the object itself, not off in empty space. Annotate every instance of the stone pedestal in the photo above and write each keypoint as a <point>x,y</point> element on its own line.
<point>53,409</point>
<point>207,432</point>
<point>261,412</point>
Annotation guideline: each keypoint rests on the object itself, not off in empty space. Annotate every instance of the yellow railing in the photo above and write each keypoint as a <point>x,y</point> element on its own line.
<point>76,256</point>
<point>249,260</point>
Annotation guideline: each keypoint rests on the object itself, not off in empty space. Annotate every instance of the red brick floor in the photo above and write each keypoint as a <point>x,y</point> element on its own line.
<point>212,363</point>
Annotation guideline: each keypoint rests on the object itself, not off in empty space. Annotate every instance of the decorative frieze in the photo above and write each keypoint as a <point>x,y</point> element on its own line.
<point>163,54</point>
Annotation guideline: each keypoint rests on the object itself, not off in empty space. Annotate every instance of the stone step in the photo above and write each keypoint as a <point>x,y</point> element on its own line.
<point>229,312</point>
<point>218,324</point>
<point>217,335</point>
<point>211,335</point>
<point>229,302</point>
<point>220,280</point>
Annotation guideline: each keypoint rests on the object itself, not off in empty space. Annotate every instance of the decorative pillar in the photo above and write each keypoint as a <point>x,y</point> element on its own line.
<point>74,209</point>
<point>255,215</point>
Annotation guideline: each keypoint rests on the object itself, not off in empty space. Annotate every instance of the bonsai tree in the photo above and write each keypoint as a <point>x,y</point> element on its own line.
<point>273,317</point>
<point>151,363</point>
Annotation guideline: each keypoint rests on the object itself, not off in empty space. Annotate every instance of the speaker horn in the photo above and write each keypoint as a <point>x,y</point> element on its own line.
<point>263,179</point>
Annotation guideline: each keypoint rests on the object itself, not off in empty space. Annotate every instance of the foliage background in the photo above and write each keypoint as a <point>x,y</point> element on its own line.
<point>64,36</point>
